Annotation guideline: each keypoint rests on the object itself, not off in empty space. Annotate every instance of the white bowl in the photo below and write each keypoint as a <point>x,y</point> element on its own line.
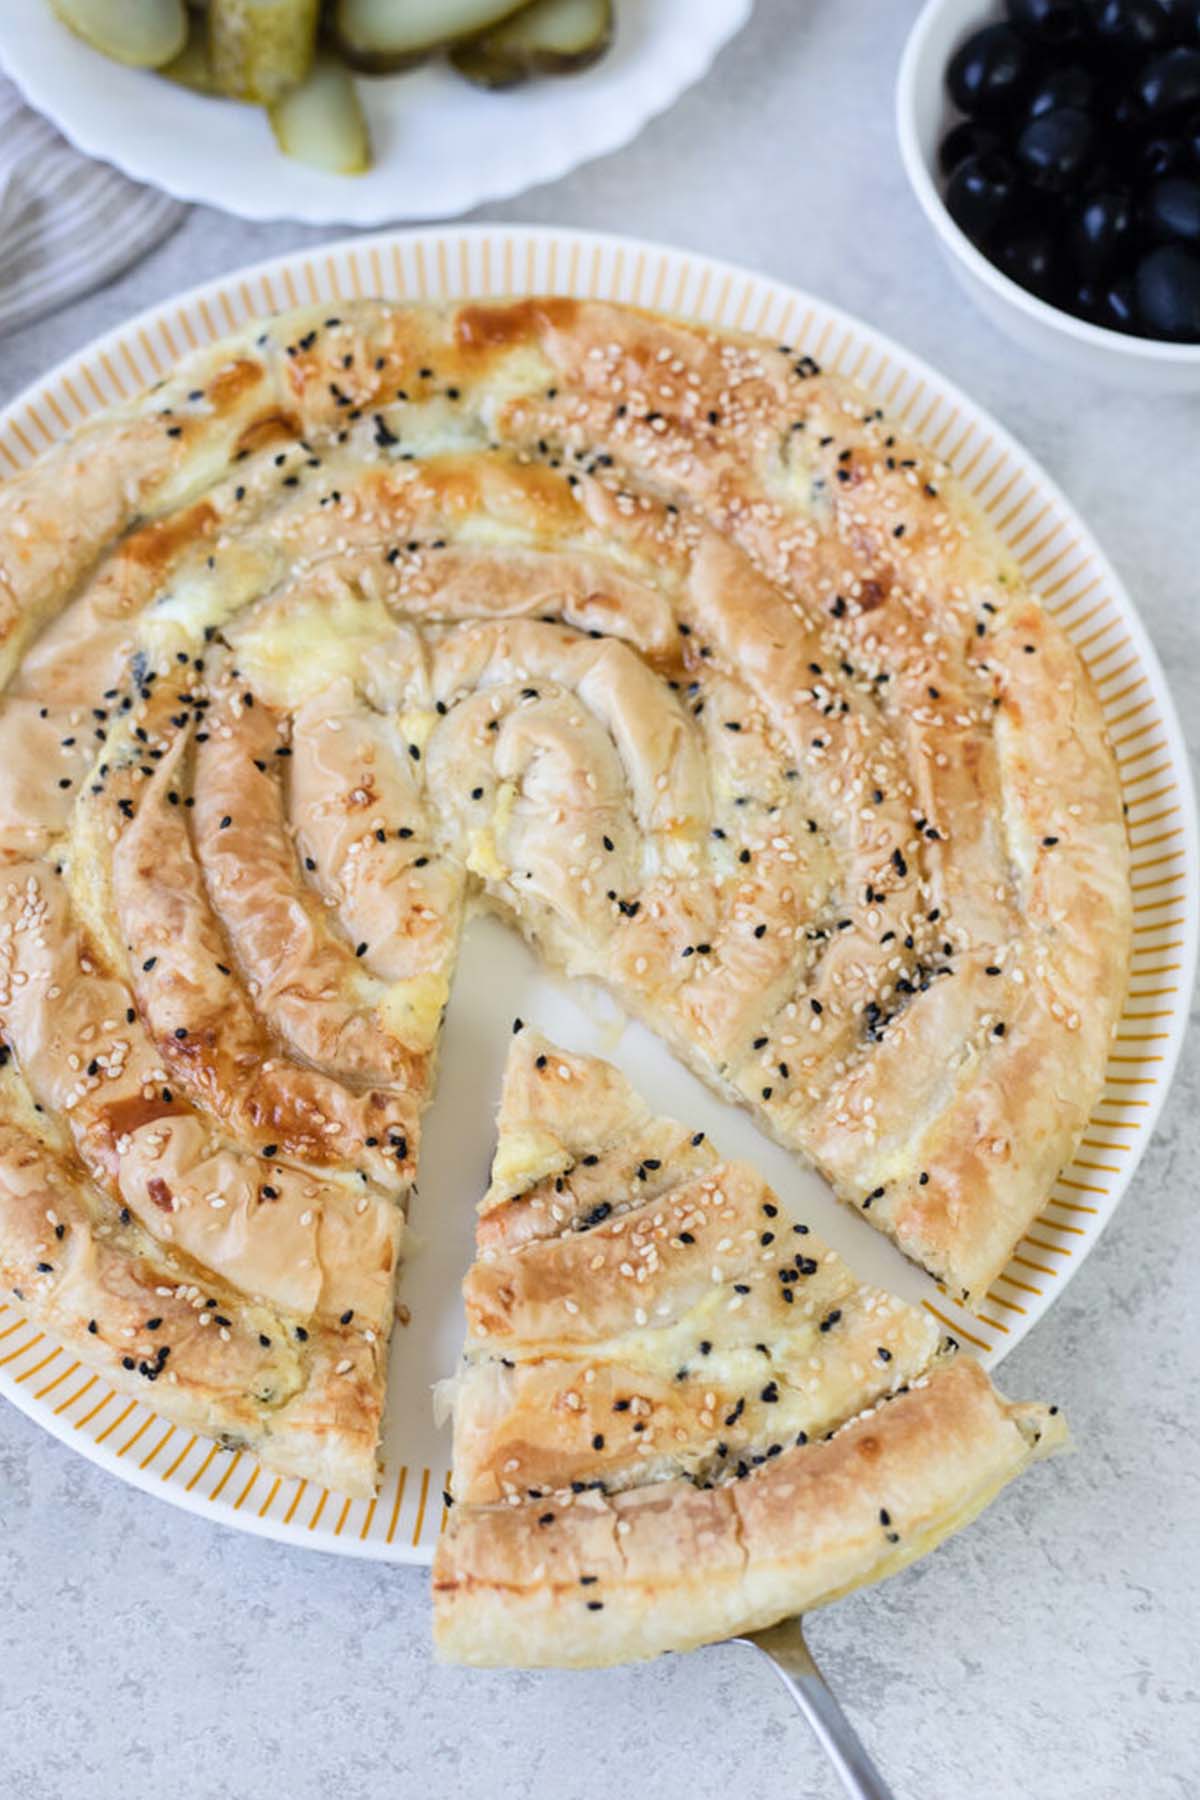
<point>923,112</point>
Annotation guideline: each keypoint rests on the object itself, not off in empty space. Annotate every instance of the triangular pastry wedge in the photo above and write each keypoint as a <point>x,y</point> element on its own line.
<point>679,1415</point>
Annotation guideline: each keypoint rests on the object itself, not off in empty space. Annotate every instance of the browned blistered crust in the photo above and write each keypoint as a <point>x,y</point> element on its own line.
<point>658,641</point>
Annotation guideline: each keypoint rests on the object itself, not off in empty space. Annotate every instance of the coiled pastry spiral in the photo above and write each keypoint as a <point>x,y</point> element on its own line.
<point>656,640</point>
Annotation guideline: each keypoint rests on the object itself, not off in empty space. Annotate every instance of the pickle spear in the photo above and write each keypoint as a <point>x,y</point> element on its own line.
<point>380,37</point>
<point>142,33</point>
<point>321,123</point>
<point>192,68</point>
<point>260,48</point>
<point>550,37</point>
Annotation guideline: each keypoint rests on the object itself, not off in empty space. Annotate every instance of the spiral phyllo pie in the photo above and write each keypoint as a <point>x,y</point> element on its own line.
<point>660,643</point>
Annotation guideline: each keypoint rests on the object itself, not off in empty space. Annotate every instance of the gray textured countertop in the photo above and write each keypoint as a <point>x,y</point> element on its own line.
<point>1052,1650</point>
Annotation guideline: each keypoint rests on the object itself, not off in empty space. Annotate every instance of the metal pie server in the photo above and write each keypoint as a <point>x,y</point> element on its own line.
<point>785,1649</point>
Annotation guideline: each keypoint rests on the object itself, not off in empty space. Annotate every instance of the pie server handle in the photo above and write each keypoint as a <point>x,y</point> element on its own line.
<point>785,1649</point>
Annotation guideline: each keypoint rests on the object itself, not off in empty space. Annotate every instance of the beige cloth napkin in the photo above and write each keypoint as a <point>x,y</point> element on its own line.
<point>67,224</point>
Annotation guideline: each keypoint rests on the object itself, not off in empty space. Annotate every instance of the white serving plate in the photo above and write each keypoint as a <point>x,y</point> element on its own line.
<point>497,977</point>
<point>441,146</point>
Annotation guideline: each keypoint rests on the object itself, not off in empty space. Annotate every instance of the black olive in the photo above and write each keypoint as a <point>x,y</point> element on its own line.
<point>1077,167</point>
<point>1116,308</point>
<point>1122,113</point>
<point>1099,177</point>
<point>986,74</point>
<point>1184,16</point>
<point>1158,156</point>
<point>1129,27</point>
<point>1100,231</point>
<point>981,194</point>
<point>1054,151</point>
<point>1070,86</point>
<point>1171,209</point>
<point>1168,293</point>
<point>1050,21</point>
<point>963,140</point>
<point>1030,257</point>
<point>1169,85</point>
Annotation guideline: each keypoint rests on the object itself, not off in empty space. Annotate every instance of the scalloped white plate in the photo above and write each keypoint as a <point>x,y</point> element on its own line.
<point>441,146</point>
<point>497,977</point>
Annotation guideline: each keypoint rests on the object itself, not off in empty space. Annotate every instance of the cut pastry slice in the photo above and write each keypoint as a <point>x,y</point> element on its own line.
<point>679,1415</point>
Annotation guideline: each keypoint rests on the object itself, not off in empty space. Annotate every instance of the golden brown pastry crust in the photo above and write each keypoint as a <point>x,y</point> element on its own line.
<point>641,1307</point>
<point>657,641</point>
<point>670,1425</point>
<point>309,1400</point>
<point>580,1580</point>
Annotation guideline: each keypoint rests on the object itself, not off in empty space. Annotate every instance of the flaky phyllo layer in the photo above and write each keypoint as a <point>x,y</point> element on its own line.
<point>679,1415</point>
<point>658,642</point>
